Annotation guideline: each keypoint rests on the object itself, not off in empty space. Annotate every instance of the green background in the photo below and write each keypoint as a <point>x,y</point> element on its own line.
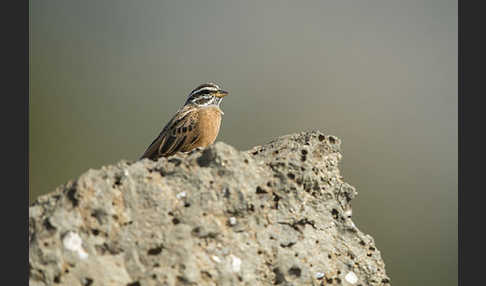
<point>105,76</point>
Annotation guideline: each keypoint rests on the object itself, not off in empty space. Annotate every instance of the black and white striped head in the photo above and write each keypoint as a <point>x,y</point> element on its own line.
<point>206,94</point>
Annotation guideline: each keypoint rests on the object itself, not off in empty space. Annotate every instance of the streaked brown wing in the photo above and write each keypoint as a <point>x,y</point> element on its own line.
<point>175,136</point>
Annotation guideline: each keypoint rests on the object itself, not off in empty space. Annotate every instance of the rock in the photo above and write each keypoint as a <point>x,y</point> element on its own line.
<point>278,214</point>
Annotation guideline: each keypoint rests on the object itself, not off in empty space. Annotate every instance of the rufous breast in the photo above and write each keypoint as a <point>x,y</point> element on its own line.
<point>208,124</point>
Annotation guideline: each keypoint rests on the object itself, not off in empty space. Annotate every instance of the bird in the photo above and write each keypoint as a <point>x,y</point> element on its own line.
<point>195,124</point>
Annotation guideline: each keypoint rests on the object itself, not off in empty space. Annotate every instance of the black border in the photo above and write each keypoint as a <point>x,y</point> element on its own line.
<point>15,117</point>
<point>471,64</point>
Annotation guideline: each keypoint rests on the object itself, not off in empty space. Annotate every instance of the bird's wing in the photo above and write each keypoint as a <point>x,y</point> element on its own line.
<point>177,134</point>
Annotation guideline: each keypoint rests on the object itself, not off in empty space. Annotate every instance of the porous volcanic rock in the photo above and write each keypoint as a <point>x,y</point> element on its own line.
<point>278,214</point>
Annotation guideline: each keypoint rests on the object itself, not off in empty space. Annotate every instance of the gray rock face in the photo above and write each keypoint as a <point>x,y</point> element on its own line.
<point>278,214</point>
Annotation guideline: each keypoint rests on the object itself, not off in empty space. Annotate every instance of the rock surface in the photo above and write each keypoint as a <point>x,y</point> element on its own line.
<point>278,214</point>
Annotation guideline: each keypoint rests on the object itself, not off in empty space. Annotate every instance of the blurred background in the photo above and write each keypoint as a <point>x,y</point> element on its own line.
<point>105,77</point>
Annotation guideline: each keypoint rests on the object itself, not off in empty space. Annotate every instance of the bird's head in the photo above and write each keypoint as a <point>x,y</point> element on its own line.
<point>206,94</point>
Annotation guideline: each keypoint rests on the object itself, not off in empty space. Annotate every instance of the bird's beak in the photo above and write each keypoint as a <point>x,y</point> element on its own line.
<point>221,93</point>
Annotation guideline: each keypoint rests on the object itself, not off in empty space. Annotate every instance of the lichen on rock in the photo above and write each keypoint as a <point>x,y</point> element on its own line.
<point>278,214</point>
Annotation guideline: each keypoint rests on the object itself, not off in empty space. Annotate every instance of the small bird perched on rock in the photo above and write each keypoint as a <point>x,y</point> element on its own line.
<point>196,124</point>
